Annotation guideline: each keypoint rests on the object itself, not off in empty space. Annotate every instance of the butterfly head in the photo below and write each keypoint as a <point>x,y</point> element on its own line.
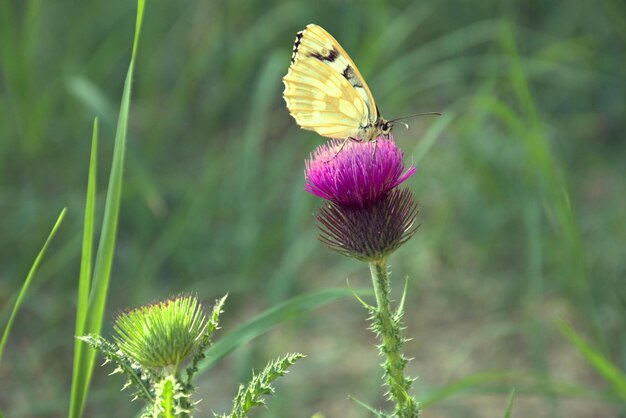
<point>386,127</point>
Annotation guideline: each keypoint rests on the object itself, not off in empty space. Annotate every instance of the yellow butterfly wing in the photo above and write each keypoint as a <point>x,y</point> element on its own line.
<point>324,90</point>
<point>323,101</point>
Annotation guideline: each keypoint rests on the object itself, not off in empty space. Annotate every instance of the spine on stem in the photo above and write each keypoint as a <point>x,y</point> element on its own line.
<point>388,327</point>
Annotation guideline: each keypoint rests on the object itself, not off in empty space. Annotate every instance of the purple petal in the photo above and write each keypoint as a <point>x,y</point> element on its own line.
<point>355,173</point>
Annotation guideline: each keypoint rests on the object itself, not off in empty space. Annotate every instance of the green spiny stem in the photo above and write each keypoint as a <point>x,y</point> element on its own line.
<point>388,328</point>
<point>172,399</point>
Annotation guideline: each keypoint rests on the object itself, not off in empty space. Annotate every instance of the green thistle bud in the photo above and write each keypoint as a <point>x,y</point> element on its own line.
<point>162,334</point>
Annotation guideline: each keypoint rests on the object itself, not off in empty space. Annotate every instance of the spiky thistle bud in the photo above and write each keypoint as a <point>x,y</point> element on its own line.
<point>162,334</point>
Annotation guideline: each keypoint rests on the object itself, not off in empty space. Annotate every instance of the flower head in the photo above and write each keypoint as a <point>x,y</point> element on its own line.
<point>358,173</point>
<point>370,232</point>
<point>161,334</point>
<point>366,217</point>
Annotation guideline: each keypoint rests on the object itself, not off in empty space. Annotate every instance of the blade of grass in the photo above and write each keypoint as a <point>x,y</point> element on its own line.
<point>509,407</point>
<point>433,133</point>
<point>271,318</point>
<point>29,278</point>
<point>374,412</point>
<point>553,183</point>
<point>84,280</point>
<point>90,96</point>
<point>600,363</point>
<point>106,246</point>
<point>495,382</point>
<point>462,385</point>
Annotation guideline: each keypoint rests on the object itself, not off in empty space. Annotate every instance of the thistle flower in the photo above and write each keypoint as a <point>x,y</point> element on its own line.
<point>162,334</point>
<point>366,217</point>
<point>358,173</point>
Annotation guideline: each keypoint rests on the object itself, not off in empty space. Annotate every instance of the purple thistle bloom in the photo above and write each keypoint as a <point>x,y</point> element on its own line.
<point>366,216</point>
<point>356,175</point>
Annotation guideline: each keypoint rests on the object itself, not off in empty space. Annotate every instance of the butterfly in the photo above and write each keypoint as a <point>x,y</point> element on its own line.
<point>326,93</point>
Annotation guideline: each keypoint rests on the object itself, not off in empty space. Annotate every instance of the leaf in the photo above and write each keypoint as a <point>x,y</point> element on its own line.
<point>509,407</point>
<point>141,379</point>
<point>377,414</point>
<point>462,385</point>
<point>29,279</point>
<point>603,366</point>
<point>252,394</point>
<point>84,278</point>
<point>83,367</point>
<point>268,320</point>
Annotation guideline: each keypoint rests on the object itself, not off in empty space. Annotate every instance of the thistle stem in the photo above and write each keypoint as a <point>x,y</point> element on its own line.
<point>387,325</point>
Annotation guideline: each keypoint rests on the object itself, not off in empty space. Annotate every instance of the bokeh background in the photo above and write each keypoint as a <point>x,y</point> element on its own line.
<point>521,185</point>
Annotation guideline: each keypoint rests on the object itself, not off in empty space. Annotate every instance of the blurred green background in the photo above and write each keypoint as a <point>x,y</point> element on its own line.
<point>521,185</point>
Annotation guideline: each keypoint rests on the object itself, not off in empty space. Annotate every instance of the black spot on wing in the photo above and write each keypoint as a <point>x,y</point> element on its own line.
<point>296,45</point>
<point>326,55</point>
<point>350,75</point>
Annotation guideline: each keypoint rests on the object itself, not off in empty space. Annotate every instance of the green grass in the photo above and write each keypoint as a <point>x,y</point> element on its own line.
<point>603,366</point>
<point>520,186</point>
<point>509,406</point>
<point>81,367</point>
<point>26,286</point>
<point>265,321</point>
<point>93,288</point>
<point>29,278</point>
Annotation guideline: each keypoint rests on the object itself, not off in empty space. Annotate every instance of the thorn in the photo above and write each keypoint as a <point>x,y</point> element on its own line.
<point>400,310</point>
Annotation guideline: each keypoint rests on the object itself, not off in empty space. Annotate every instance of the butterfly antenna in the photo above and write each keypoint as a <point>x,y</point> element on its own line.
<point>417,114</point>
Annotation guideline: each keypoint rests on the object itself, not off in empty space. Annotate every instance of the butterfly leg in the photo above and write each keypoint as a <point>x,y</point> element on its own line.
<point>375,141</point>
<point>343,144</point>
